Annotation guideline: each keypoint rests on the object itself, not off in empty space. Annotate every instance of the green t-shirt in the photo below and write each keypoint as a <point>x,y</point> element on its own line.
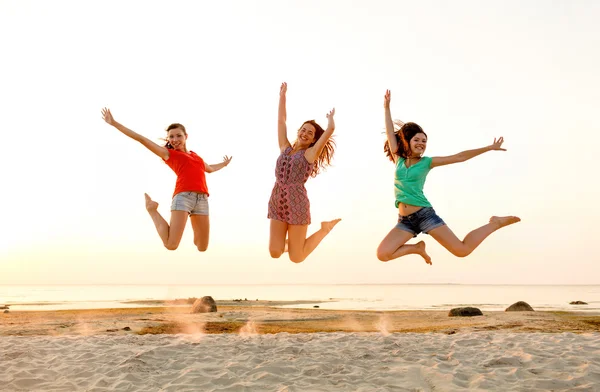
<point>409,182</point>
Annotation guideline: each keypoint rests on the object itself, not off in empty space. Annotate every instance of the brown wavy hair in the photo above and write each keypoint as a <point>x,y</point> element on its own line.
<point>326,155</point>
<point>404,132</point>
<point>173,126</point>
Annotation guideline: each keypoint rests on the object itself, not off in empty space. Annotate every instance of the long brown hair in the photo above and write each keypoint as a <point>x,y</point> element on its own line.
<point>326,155</point>
<point>173,126</point>
<point>404,132</point>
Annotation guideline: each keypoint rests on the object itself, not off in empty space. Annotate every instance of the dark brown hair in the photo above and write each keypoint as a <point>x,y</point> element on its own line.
<point>173,126</point>
<point>326,155</point>
<point>404,132</point>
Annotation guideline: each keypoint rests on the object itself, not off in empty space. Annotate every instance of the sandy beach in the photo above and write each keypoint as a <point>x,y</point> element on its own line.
<point>303,362</point>
<point>256,347</point>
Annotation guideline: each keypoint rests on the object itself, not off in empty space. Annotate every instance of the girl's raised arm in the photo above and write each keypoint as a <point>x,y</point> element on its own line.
<point>161,151</point>
<point>281,119</point>
<point>466,155</point>
<point>313,152</point>
<point>389,125</point>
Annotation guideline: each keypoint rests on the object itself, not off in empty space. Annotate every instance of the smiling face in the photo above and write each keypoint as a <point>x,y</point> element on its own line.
<point>306,135</point>
<point>418,144</point>
<point>177,137</point>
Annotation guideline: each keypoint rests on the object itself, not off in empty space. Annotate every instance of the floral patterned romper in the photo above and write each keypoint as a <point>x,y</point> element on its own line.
<point>289,200</point>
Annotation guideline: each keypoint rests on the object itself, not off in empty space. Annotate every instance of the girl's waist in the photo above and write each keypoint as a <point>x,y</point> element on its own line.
<point>407,209</point>
<point>289,184</point>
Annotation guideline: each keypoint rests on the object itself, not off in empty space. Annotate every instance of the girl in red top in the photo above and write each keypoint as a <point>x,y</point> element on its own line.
<point>289,207</point>
<point>191,193</point>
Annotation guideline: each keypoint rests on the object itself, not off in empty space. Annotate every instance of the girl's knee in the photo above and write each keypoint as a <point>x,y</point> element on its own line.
<point>172,243</point>
<point>171,246</point>
<point>276,253</point>
<point>383,255</point>
<point>201,245</point>
<point>461,252</point>
<point>296,258</point>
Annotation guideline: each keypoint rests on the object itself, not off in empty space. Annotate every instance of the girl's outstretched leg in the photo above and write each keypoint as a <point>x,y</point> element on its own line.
<point>299,246</point>
<point>463,248</point>
<point>169,234</point>
<point>277,241</point>
<point>394,246</point>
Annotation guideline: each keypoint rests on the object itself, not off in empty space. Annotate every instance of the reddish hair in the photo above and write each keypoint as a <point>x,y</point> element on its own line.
<point>326,155</point>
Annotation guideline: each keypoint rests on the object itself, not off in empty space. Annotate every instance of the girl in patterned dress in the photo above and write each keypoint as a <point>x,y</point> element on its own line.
<point>190,198</point>
<point>289,207</point>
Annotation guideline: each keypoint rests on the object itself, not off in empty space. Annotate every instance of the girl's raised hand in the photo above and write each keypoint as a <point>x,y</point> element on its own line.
<point>226,160</point>
<point>387,98</point>
<point>283,89</point>
<point>497,145</point>
<point>330,122</point>
<point>107,116</point>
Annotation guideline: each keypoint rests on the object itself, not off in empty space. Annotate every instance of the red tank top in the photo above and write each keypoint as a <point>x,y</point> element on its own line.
<point>190,172</point>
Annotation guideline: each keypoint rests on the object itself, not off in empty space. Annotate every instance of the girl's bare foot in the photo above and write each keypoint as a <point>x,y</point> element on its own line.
<point>327,226</point>
<point>151,205</point>
<point>420,250</point>
<point>502,221</point>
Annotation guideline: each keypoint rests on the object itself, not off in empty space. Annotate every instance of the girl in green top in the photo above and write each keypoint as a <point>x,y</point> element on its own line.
<point>405,148</point>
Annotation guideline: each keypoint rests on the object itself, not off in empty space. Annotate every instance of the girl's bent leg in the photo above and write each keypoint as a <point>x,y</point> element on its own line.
<point>169,234</point>
<point>463,248</point>
<point>299,246</point>
<point>201,227</point>
<point>277,238</point>
<point>394,246</point>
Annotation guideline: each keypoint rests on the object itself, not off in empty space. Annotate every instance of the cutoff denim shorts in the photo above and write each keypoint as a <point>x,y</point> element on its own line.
<point>423,220</point>
<point>193,202</point>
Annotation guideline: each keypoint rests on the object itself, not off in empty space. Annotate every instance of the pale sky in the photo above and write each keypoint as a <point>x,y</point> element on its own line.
<point>71,202</point>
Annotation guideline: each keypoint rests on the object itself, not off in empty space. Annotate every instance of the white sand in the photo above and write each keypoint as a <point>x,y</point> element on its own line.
<point>303,362</point>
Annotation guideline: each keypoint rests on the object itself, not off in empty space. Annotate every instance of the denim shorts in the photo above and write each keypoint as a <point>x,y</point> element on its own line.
<point>193,202</point>
<point>423,220</point>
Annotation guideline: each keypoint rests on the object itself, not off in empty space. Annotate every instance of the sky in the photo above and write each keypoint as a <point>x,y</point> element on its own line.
<point>71,201</point>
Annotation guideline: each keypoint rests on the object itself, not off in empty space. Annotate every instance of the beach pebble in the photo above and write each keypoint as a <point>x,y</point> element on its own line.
<point>6,311</point>
<point>4,307</point>
<point>520,306</point>
<point>578,303</point>
<point>465,312</point>
<point>204,305</point>
<point>126,329</point>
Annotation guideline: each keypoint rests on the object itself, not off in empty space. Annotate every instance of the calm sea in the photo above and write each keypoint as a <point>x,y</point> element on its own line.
<point>354,297</point>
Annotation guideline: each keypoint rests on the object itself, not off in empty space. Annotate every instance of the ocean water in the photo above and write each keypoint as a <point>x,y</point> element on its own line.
<point>339,296</point>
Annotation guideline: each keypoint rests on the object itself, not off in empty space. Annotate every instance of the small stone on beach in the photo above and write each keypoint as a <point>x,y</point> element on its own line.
<point>520,306</point>
<point>577,303</point>
<point>465,312</point>
<point>205,304</point>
